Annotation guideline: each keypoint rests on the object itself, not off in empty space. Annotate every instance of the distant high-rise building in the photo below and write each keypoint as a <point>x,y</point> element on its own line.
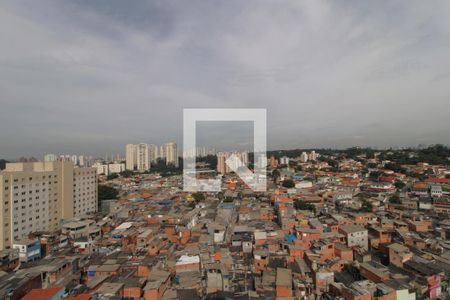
<point>102,169</point>
<point>171,154</point>
<point>50,157</point>
<point>81,161</point>
<point>137,157</point>
<point>153,152</point>
<point>142,157</point>
<point>284,160</point>
<point>130,157</point>
<point>304,157</point>
<point>116,168</point>
<point>273,162</point>
<point>40,195</point>
<point>74,159</point>
<point>222,166</point>
<point>313,155</point>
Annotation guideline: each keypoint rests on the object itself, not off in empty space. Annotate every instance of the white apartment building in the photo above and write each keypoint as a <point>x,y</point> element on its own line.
<point>36,196</point>
<point>85,196</point>
<point>50,157</point>
<point>222,166</point>
<point>304,157</point>
<point>74,159</point>
<point>153,152</point>
<point>142,157</point>
<point>137,157</point>
<point>130,157</point>
<point>171,154</point>
<point>116,168</point>
<point>284,160</point>
<point>313,155</point>
<point>101,169</point>
<point>82,162</point>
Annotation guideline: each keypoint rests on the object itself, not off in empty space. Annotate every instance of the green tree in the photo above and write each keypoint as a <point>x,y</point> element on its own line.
<point>372,165</point>
<point>112,176</point>
<point>374,175</point>
<point>399,184</point>
<point>2,164</point>
<point>395,199</point>
<point>288,183</point>
<point>127,173</point>
<point>301,205</point>
<point>366,206</point>
<point>275,175</point>
<point>106,192</point>
<point>198,197</point>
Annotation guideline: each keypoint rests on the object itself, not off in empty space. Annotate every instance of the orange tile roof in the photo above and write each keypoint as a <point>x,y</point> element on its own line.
<point>420,185</point>
<point>42,294</point>
<point>438,180</point>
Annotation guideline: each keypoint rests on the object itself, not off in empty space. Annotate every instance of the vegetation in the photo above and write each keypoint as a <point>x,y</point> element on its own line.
<point>372,165</point>
<point>275,175</point>
<point>288,183</point>
<point>399,184</point>
<point>164,169</point>
<point>366,206</point>
<point>353,271</point>
<point>106,192</point>
<point>198,197</point>
<point>2,164</point>
<point>301,205</point>
<point>112,176</point>
<point>436,154</point>
<point>395,199</point>
<point>374,175</point>
<point>395,167</point>
<point>211,160</point>
<point>127,174</point>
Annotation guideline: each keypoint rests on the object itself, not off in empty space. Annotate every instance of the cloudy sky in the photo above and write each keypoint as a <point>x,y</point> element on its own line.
<point>89,76</point>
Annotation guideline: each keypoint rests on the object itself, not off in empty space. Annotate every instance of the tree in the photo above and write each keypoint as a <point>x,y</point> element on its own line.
<point>366,206</point>
<point>106,192</point>
<point>399,184</point>
<point>127,173</point>
<point>447,176</point>
<point>112,176</point>
<point>395,199</point>
<point>395,167</point>
<point>198,197</point>
<point>372,165</point>
<point>288,183</point>
<point>374,175</point>
<point>275,175</point>
<point>164,169</point>
<point>2,164</point>
<point>301,205</point>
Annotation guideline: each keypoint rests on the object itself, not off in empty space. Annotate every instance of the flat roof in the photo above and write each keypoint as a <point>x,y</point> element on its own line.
<point>284,277</point>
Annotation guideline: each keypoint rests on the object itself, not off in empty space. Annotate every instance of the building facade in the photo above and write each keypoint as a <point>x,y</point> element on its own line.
<point>142,157</point>
<point>222,157</point>
<point>171,154</point>
<point>130,157</point>
<point>37,196</point>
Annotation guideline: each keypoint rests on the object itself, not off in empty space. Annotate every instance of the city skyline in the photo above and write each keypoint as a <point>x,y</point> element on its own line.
<point>331,75</point>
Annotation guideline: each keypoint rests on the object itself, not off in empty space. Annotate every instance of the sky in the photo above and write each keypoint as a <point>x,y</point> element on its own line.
<point>87,77</point>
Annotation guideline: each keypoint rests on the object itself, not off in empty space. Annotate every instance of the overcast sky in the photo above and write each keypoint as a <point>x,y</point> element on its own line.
<point>89,76</point>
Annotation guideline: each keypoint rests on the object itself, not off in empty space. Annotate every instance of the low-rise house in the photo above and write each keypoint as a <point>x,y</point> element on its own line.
<point>355,235</point>
<point>29,250</point>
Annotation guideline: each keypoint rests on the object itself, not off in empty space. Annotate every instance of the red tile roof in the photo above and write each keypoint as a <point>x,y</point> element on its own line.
<point>42,294</point>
